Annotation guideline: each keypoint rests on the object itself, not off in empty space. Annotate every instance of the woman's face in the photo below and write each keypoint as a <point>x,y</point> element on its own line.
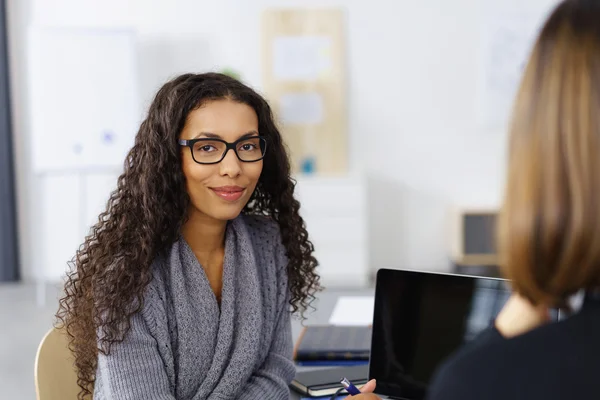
<point>220,191</point>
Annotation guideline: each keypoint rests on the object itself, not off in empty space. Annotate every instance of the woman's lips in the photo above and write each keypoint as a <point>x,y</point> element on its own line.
<point>229,193</point>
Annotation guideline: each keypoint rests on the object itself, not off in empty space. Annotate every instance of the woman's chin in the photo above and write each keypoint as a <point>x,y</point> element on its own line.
<point>226,213</point>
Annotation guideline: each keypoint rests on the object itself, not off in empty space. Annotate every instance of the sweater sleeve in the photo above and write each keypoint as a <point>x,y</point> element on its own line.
<point>271,380</point>
<point>133,369</point>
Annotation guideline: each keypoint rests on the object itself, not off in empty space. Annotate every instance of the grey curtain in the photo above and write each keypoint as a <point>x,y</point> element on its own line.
<point>9,263</point>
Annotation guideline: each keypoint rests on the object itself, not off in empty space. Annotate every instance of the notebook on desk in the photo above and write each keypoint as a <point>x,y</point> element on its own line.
<point>333,344</point>
<point>325,382</point>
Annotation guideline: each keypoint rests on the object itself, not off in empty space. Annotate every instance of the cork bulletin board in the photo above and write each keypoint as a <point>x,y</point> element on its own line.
<point>304,79</point>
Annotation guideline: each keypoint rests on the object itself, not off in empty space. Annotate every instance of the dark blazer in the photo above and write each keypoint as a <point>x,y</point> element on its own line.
<point>560,360</point>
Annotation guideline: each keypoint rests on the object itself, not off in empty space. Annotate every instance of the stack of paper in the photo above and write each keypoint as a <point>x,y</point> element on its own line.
<point>353,311</point>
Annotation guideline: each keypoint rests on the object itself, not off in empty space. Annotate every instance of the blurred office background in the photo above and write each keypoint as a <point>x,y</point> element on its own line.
<point>426,92</point>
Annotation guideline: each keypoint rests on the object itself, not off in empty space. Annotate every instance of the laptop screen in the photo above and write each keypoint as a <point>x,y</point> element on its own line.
<point>421,318</point>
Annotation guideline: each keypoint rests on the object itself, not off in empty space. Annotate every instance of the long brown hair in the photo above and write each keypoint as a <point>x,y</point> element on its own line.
<point>549,229</point>
<point>144,215</point>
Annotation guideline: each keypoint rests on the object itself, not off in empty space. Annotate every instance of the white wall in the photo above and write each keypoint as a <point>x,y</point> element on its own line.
<point>412,68</point>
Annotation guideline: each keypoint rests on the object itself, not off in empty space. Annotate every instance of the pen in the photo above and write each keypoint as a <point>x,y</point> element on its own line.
<point>350,388</point>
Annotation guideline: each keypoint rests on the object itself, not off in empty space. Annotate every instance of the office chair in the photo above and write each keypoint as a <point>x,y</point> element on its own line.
<point>55,374</point>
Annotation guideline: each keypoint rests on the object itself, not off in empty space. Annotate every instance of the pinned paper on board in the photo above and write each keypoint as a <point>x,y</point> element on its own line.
<point>303,58</point>
<point>301,108</point>
<point>353,311</point>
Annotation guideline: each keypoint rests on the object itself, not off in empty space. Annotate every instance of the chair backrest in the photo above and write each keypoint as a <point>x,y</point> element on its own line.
<point>55,374</point>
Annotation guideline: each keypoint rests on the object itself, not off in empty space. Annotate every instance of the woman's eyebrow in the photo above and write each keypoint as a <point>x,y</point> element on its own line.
<point>211,135</point>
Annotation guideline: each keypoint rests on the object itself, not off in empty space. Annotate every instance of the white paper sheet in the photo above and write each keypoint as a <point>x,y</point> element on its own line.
<point>353,311</point>
<point>301,58</point>
<point>508,34</point>
<point>301,108</point>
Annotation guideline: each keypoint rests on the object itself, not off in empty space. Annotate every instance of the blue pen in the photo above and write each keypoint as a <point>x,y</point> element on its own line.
<point>350,388</point>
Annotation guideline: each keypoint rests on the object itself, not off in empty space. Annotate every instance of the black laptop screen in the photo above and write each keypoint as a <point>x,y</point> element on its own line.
<point>420,319</point>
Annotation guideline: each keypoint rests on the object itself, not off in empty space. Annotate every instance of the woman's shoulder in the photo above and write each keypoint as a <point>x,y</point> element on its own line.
<point>156,290</point>
<point>468,371</point>
<point>507,364</point>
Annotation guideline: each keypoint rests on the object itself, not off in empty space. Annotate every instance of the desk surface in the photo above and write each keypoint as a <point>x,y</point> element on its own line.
<point>324,305</point>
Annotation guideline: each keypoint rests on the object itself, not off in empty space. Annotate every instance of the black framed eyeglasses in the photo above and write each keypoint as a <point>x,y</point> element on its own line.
<point>213,151</point>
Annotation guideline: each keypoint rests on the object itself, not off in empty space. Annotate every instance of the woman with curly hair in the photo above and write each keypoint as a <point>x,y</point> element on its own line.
<point>185,286</point>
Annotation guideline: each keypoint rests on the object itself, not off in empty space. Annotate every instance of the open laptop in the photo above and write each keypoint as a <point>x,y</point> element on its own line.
<point>421,318</point>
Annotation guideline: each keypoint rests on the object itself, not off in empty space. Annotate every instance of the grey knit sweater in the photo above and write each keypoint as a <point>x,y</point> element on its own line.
<point>183,346</point>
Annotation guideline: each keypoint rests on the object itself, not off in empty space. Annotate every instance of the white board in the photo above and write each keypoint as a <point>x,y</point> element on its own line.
<point>508,34</point>
<point>84,98</point>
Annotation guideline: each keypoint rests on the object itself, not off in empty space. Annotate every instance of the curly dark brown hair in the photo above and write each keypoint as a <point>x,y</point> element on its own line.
<point>144,215</point>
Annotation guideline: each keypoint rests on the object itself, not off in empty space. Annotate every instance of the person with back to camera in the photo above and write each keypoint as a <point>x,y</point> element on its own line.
<point>549,231</point>
<point>185,286</point>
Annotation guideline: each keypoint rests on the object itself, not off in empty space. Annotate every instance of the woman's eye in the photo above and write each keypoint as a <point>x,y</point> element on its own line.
<point>207,148</point>
<point>248,147</point>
